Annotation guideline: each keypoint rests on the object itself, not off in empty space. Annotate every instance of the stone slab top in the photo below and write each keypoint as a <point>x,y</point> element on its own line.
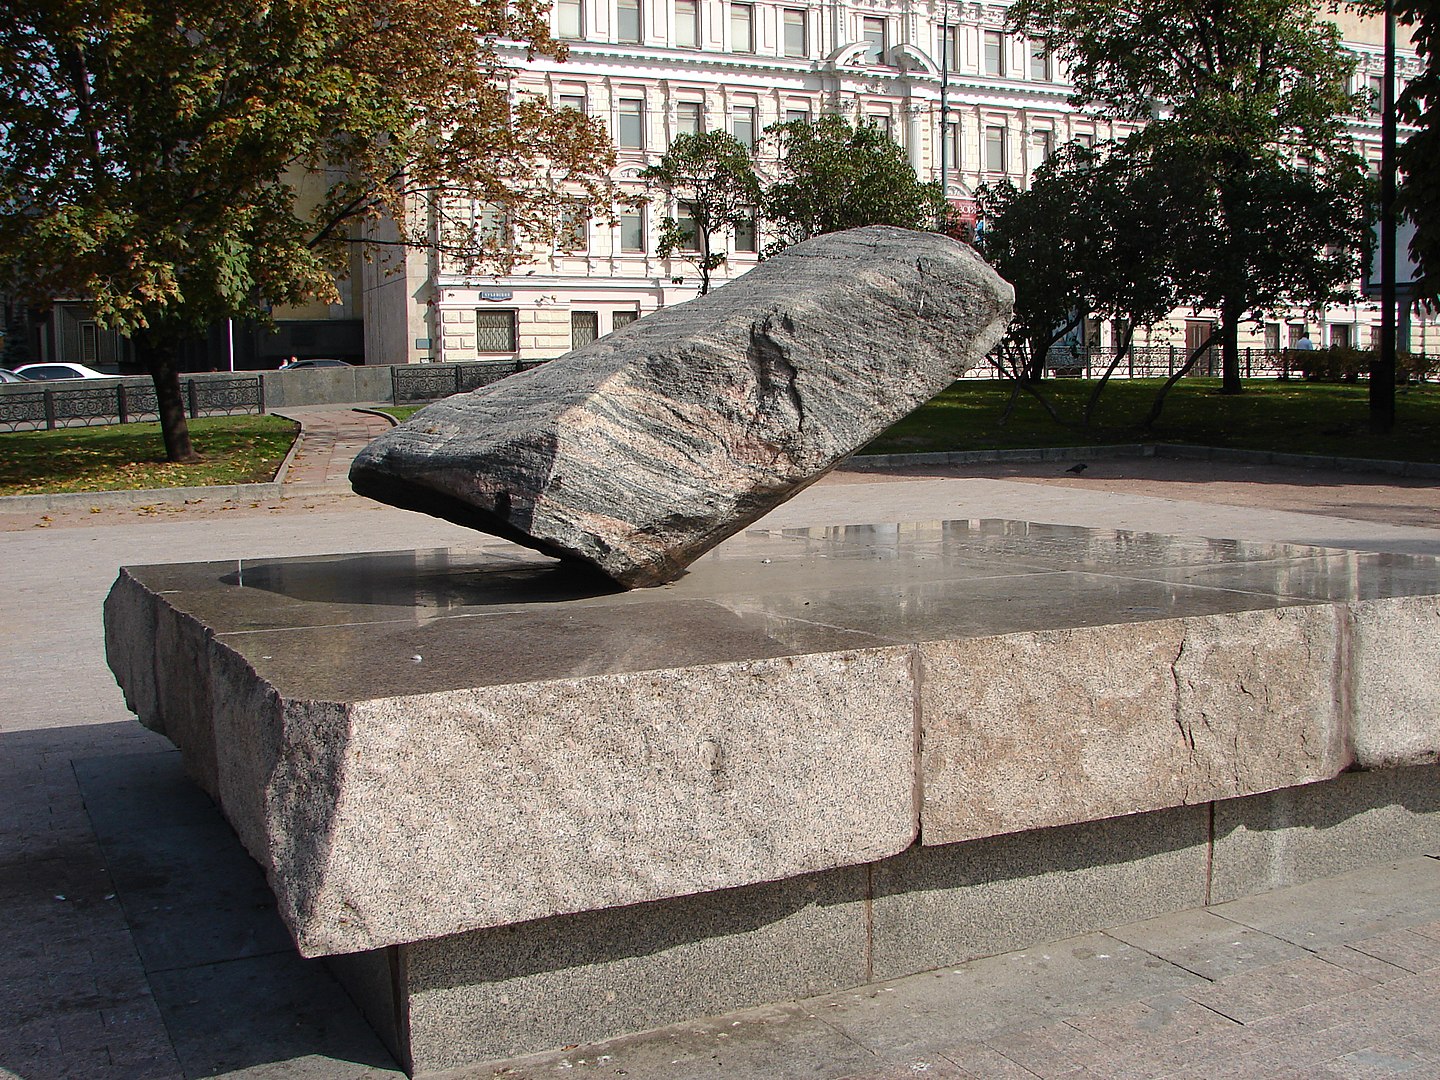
<point>524,741</point>
<point>346,628</point>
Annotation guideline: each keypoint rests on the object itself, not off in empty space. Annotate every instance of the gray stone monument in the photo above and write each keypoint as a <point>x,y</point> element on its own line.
<point>641,451</point>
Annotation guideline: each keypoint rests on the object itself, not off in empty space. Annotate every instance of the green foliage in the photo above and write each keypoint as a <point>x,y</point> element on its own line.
<point>832,176</point>
<point>1248,102</point>
<point>713,174</point>
<point>1420,105</point>
<point>152,154</point>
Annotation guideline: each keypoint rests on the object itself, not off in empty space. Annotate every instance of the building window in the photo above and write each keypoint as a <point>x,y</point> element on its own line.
<point>689,118</point>
<point>685,221</point>
<point>742,125</point>
<point>952,145</point>
<point>797,112</point>
<point>1085,139</point>
<point>747,236</point>
<point>627,22</point>
<point>632,124</point>
<point>584,328</point>
<point>1039,61</point>
<point>793,33</point>
<point>995,149</point>
<point>570,20</point>
<point>1340,337</point>
<point>1375,94</point>
<point>875,38</point>
<point>573,234</point>
<point>632,232</point>
<point>495,330</point>
<point>571,101</point>
<point>948,47</point>
<point>687,24</point>
<point>620,319</point>
<point>89,343</point>
<point>993,60</point>
<point>1044,142</point>
<point>742,28</point>
<point>879,121</point>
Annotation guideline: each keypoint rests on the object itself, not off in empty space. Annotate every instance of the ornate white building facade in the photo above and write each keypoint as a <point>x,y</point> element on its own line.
<point>968,102</point>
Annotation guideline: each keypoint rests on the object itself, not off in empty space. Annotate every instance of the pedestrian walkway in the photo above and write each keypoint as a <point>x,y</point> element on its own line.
<point>330,437</point>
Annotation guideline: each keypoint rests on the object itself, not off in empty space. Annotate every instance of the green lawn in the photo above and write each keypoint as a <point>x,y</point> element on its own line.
<point>1293,417</point>
<point>121,457</point>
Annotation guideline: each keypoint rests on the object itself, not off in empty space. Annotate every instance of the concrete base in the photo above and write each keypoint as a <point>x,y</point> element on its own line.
<point>519,810</point>
<point>493,994</point>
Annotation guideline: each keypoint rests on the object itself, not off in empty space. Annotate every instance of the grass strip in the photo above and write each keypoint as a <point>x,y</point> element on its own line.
<point>127,457</point>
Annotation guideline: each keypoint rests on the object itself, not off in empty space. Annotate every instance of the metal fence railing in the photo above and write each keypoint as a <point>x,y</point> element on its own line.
<point>415,383</point>
<point>1162,361</point>
<point>80,403</point>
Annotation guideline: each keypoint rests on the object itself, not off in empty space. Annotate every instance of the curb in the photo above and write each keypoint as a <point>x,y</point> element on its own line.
<point>118,500</point>
<point>1177,451</point>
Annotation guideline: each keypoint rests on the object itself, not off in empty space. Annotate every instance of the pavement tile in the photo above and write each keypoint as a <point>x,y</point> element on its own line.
<point>1253,995</point>
<point>1414,952</point>
<point>1206,943</point>
<point>1053,1050</point>
<point>1361,963</point>
<point>1139,1029</point>
<point>932,1067</point>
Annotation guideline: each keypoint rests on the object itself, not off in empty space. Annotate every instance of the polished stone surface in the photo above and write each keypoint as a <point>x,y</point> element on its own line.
<point>529,742</point>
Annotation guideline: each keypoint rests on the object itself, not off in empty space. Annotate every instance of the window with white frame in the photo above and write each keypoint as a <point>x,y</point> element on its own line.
<point>992,59</point>
<point>793,41</point>
<point>797,112</point>
<point>570,20</point>
<point>995,148</point>
<point>747,235</point>
<point>631,133</point>
<point>685,221</point>
<point>1044,144</point>
<point>742,28</point>
<point>879,121</point>
<point>687,24</point>
<point>632,231</point>
<point>627,21</point>
<point>948,46</point>
<point>742,125</point>
<point>572,235</point>
<point>1085,139</point>
<point>571,101</point>
<point>953,157</point>
<point>495,330</point>
<point>1375,94</point>
<point>1039,61</point>
<point>689,118</point>
<point>877,43</point>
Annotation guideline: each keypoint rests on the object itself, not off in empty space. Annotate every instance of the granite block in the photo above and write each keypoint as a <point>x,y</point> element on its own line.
<point>580,978</point>
<point>523,801</point>
<point>1030,730</point>
<point>1319,830</point>
<point>1396,650</point>
<point>935,906</point>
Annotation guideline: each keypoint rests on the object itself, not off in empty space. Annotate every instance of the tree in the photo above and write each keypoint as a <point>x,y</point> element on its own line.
<point>1250,95</point>
<point>712,176</point>
<point>151,153</point>
<point>1419,195</point>
<point>832,176</point>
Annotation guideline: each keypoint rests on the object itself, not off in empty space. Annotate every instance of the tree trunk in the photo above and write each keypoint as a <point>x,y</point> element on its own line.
<point>1230,312</point>
<point>158,356</point>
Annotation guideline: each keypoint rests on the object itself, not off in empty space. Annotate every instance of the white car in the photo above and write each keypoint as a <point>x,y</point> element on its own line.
<point>45,372</point>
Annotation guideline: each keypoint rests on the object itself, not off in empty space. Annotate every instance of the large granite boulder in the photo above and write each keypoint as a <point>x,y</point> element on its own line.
<point>641,451</point>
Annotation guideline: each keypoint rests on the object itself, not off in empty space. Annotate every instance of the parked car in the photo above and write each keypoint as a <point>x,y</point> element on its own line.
<point>314,363</point>
<point>6,375</point>
<point>59,371</point>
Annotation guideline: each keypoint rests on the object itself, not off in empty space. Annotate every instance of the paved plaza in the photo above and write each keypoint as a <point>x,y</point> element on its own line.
<point>144,942</point>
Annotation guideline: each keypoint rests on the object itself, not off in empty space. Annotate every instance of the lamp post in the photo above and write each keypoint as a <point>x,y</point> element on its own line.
<point>945,99</point>
<point>1382,371</point>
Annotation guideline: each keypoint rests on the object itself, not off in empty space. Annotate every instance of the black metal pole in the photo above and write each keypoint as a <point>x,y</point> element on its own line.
<point>1382,371</point>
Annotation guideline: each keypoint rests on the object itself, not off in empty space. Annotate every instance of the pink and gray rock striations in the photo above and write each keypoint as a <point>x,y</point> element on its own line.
<point>638,453</point>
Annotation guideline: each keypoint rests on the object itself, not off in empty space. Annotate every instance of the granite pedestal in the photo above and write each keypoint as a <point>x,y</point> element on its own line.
<point>519,809</point>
